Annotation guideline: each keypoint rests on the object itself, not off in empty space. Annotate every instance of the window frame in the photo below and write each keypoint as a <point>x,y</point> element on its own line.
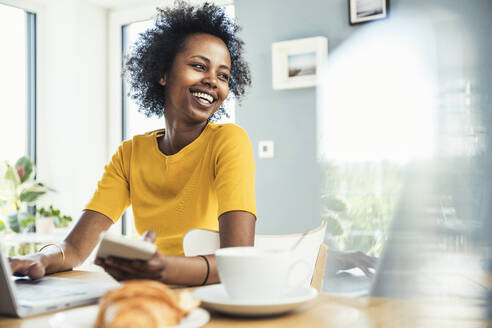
<point>31,85</point>
<point>31,9</point>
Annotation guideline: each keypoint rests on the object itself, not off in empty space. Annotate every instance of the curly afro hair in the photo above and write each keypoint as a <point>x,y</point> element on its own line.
<point>154,52</point>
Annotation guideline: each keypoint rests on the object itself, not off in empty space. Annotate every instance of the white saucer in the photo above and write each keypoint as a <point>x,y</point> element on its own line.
<point>214,297</point>
<point>85,317</point>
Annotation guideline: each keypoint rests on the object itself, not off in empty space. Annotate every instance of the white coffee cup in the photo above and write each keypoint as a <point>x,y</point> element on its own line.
<point>250,273</point>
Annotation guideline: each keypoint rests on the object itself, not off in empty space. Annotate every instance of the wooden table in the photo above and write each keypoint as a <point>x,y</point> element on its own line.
<point>324,311</point>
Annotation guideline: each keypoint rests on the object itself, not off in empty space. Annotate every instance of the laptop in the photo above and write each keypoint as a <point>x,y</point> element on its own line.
<point>434,248</point>
<point>22,297</point>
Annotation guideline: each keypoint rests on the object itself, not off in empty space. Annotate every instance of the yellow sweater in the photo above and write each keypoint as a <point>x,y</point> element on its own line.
<point>173,194</point>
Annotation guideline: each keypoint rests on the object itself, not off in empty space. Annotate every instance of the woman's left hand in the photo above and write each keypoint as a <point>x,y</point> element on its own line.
<point>123,269</point>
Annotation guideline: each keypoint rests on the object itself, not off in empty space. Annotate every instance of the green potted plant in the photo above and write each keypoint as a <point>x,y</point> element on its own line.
<point>50,218</point>
<point>18,191</point>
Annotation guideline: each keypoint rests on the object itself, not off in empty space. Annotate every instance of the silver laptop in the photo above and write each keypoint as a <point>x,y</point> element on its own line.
<point>439,247</point>
<point>436,245</point>
<point>21,296</point>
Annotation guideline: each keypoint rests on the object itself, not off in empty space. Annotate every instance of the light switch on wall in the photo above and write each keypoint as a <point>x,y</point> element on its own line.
<point>265,149</point>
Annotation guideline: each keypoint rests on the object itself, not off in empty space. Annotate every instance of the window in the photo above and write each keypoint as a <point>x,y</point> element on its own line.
<point>375,118</point>
<point>134,122</point>
<point>17,83</point>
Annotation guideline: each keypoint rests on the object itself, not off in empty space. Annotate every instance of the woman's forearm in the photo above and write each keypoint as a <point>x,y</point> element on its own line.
<point>236,228</point>
<point>78,245</point>
<point>190,270</point>
<point>54,260</point>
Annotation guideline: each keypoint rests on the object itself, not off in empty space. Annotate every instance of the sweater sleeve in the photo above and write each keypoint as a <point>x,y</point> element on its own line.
<point>234,171</point>
<point>112,196</point>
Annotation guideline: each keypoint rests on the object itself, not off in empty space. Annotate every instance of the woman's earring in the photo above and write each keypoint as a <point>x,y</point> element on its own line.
<point>162,81</point>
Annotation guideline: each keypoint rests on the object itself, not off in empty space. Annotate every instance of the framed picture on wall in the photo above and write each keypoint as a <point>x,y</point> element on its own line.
<point>361,11</point>
<point>296,63</point>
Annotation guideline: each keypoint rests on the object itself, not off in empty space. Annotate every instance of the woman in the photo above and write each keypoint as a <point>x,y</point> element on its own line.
<point>192,174</point>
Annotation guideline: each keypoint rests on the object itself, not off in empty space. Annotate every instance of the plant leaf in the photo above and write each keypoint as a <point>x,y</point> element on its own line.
<point>30,195</point>
<point>40,184</point>
<point>333,226</point>
<point>12,176</point>
<point>28,221</point>
<point>14,222</point>
<point>28,167</point>
<point>61,221</point>
<point>64,221</point>
<point>335,204</point>
<point>2,226</point>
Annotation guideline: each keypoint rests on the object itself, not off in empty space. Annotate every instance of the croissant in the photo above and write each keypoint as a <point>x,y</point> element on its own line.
<point>143,303</point>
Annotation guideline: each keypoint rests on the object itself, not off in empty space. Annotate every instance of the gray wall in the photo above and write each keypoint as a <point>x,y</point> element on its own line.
<point>287,187</point>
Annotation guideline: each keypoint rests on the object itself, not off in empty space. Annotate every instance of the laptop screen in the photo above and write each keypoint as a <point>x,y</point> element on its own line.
<point>414,90</point>
<point>8,303</point>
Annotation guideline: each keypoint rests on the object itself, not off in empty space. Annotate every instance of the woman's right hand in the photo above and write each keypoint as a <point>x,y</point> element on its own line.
<point>346,260</point>
<point>31,265</point>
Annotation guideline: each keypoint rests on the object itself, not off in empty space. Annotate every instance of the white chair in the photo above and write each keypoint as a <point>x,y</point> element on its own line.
<point>311,250</point>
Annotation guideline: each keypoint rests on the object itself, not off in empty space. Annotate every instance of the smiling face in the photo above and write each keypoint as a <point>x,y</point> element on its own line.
<point>198,81</point>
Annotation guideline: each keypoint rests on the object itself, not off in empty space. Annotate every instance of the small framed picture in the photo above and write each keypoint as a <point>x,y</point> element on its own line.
<point>295,63</point>
<point>361,11</point>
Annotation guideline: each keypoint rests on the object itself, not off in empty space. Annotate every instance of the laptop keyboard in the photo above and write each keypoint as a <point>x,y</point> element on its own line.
<point>49,288</point>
